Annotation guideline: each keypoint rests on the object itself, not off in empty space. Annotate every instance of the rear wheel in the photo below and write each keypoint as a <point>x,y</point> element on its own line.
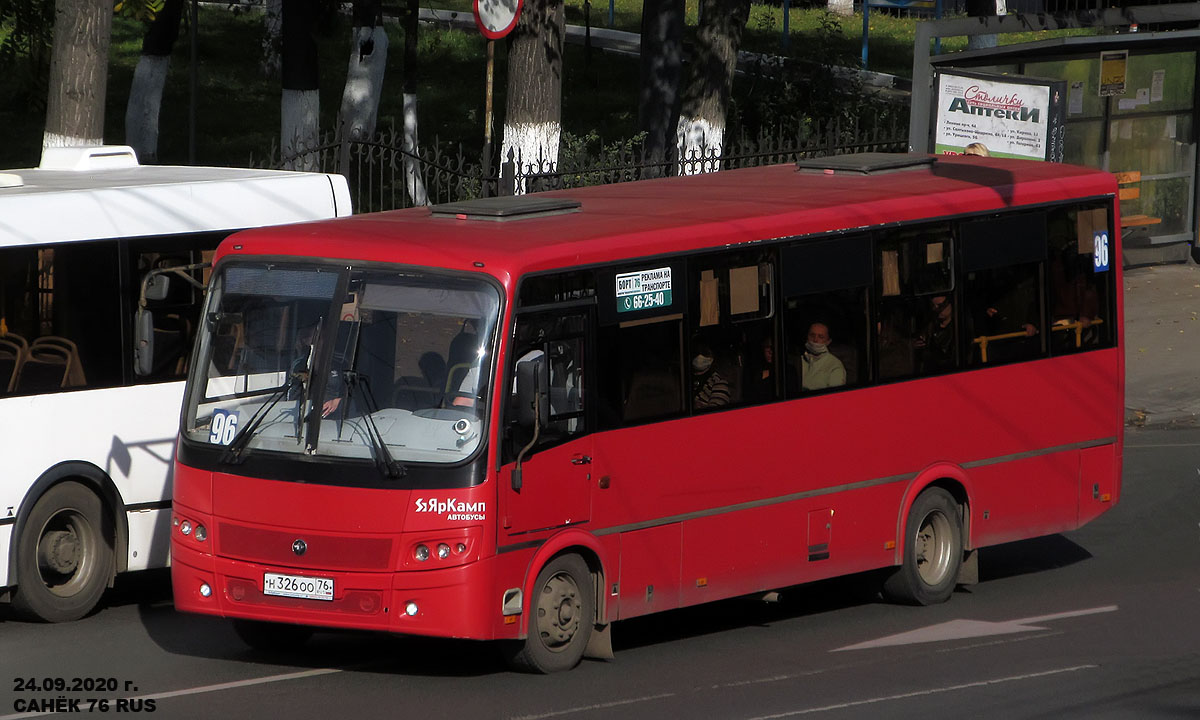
<point>933,550</point>
<point>64,555</point>
<point>272,637</point>
<point>563,614</point>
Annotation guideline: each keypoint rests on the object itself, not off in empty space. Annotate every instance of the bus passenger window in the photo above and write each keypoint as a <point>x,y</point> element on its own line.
<point>826,337</point>
<point>642,375</point>
<point>1003,314</point>
<point>62,304</point>
<point>917,330</point>
<point>1079,295</point>
<point>734,307</point>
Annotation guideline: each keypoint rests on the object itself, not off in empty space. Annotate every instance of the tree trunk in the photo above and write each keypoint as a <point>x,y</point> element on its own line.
<point>414,183</point>
<point>983,8</point>
<point>145,96</point>
<point>533,114</point>
<point>364,77</point>
<point>701,129</point>
<point>78,73</point>
<point>845,8</point>
<point>300,108</point>
<point>661,66</point>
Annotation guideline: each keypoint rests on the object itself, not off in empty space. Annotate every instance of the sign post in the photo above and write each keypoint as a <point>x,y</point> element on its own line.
<point>495,19</point>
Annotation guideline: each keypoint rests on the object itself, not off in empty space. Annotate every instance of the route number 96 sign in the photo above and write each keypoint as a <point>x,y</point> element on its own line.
<point>1100,250</point>
<point>496,18</point>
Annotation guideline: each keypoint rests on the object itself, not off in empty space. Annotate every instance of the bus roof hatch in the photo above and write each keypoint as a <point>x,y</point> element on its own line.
<point>517,207</point>
<point>870,163</point>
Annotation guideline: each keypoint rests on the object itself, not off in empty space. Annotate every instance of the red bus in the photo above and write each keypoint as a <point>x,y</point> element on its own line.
<point>521,419</point>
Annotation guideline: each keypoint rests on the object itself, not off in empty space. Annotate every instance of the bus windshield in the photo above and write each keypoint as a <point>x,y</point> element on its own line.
<point>376,365</point>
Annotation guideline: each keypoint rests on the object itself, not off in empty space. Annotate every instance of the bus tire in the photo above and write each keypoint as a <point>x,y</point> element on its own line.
<point>562,614</point>
<point>272,637</point>
<point>933,550</point>
<point>64,555</point>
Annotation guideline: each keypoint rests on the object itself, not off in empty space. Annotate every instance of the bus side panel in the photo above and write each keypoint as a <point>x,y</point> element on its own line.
<point>1099,481</point>
<point>778,545</point>
<point>1024,498</point>
<point>131,447</point>
<point>650,567</point>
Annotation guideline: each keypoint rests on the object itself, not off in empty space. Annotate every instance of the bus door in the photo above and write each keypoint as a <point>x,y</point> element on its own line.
<point>546,478</point>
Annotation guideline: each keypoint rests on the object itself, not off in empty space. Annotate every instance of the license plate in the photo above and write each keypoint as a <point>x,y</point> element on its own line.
<point>298,586</point>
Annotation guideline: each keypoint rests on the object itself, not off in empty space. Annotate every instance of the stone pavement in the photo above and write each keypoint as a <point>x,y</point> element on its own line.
<point>1162,345</point>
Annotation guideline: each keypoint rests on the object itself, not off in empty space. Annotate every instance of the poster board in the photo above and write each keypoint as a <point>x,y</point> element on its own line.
<point>1010,115</point>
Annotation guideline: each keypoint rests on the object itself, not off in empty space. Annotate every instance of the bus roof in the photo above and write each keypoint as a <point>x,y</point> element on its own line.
<point>647,218</point>
<point>98,193</point>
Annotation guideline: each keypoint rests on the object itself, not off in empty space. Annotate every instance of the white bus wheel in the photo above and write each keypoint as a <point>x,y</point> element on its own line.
<point>64,555</point>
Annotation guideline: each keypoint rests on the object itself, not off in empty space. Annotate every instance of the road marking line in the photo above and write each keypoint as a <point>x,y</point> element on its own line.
<point>757,681</point>
<point>962,629</point>
<point>206,688</point>
<point>1064,615</point>
<point>1005,641</point>
<point>924,693</point>
<point>585,708</point>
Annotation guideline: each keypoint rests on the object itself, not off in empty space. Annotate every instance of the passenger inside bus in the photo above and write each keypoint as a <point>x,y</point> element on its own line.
<point>710,389</point>
<point>935,344</point>
<point>819,368</point>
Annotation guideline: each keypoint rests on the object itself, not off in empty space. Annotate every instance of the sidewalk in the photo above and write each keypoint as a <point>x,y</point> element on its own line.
<point>1162,345</point>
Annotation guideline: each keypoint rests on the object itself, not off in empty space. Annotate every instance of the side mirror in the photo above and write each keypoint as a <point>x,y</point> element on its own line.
<point>143,342</point>
<point>533,404</point>
<point>156,286</point>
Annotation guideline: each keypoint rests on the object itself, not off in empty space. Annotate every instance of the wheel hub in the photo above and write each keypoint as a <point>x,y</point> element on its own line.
<point>558,612</point>
<point>59,551</point>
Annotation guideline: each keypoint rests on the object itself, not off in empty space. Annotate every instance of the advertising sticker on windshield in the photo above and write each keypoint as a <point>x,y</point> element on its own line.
<point>644,289</point>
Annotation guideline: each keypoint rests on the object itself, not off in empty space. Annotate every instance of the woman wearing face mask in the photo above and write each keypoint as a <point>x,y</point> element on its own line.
<point>819,368</point>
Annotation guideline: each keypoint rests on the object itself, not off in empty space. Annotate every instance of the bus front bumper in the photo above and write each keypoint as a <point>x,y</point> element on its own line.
<point>448,602</point>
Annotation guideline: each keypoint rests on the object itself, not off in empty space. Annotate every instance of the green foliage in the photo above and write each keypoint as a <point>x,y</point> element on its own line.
<point>26,29</point>
<point>141,10</point>
<point>809,89</point>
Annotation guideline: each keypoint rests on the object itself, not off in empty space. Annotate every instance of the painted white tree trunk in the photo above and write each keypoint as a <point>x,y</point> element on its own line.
<point>413,182</point>
<point>50,140</point>
<point>534,148</point>
<point>841,7</point>
<point>145,100</point>
<point>78,79</point>
<point>364,81</point>
<point>699,138</point>
<point>272,59</point>
<point>299,113</point>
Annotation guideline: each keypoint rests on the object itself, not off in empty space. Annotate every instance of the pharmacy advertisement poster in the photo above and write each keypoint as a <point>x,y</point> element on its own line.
<point>999,115</point>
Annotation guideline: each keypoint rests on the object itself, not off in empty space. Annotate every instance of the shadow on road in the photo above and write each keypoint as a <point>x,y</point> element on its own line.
<point>1029,556</point>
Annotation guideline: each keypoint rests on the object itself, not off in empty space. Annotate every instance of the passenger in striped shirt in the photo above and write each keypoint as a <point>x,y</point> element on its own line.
<point>709,389</point>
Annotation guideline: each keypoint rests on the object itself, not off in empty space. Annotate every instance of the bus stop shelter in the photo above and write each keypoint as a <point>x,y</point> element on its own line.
<point>1142,128</point>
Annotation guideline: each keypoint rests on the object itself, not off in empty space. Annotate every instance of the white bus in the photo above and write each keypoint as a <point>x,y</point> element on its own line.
<point>88,421</point>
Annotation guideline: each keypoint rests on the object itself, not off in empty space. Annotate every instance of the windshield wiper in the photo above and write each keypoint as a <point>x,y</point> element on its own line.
<point>233,453</point>
<point>388,466</point>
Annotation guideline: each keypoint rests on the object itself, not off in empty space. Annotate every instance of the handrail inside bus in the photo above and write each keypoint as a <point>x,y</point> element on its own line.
<point>1078,326</point>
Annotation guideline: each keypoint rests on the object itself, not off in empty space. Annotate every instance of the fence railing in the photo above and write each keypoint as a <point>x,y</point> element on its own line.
<point>384,175</point>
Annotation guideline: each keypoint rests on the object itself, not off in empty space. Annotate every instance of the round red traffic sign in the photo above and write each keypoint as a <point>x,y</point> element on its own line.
<point>496,18</point>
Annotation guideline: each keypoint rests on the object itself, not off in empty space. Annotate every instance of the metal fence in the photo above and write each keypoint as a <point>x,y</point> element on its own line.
<point>383,175</point>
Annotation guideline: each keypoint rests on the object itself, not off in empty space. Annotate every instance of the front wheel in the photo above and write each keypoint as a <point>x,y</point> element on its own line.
<point>933,550</point>
<point>563,613</point>
<point>64,555</point>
